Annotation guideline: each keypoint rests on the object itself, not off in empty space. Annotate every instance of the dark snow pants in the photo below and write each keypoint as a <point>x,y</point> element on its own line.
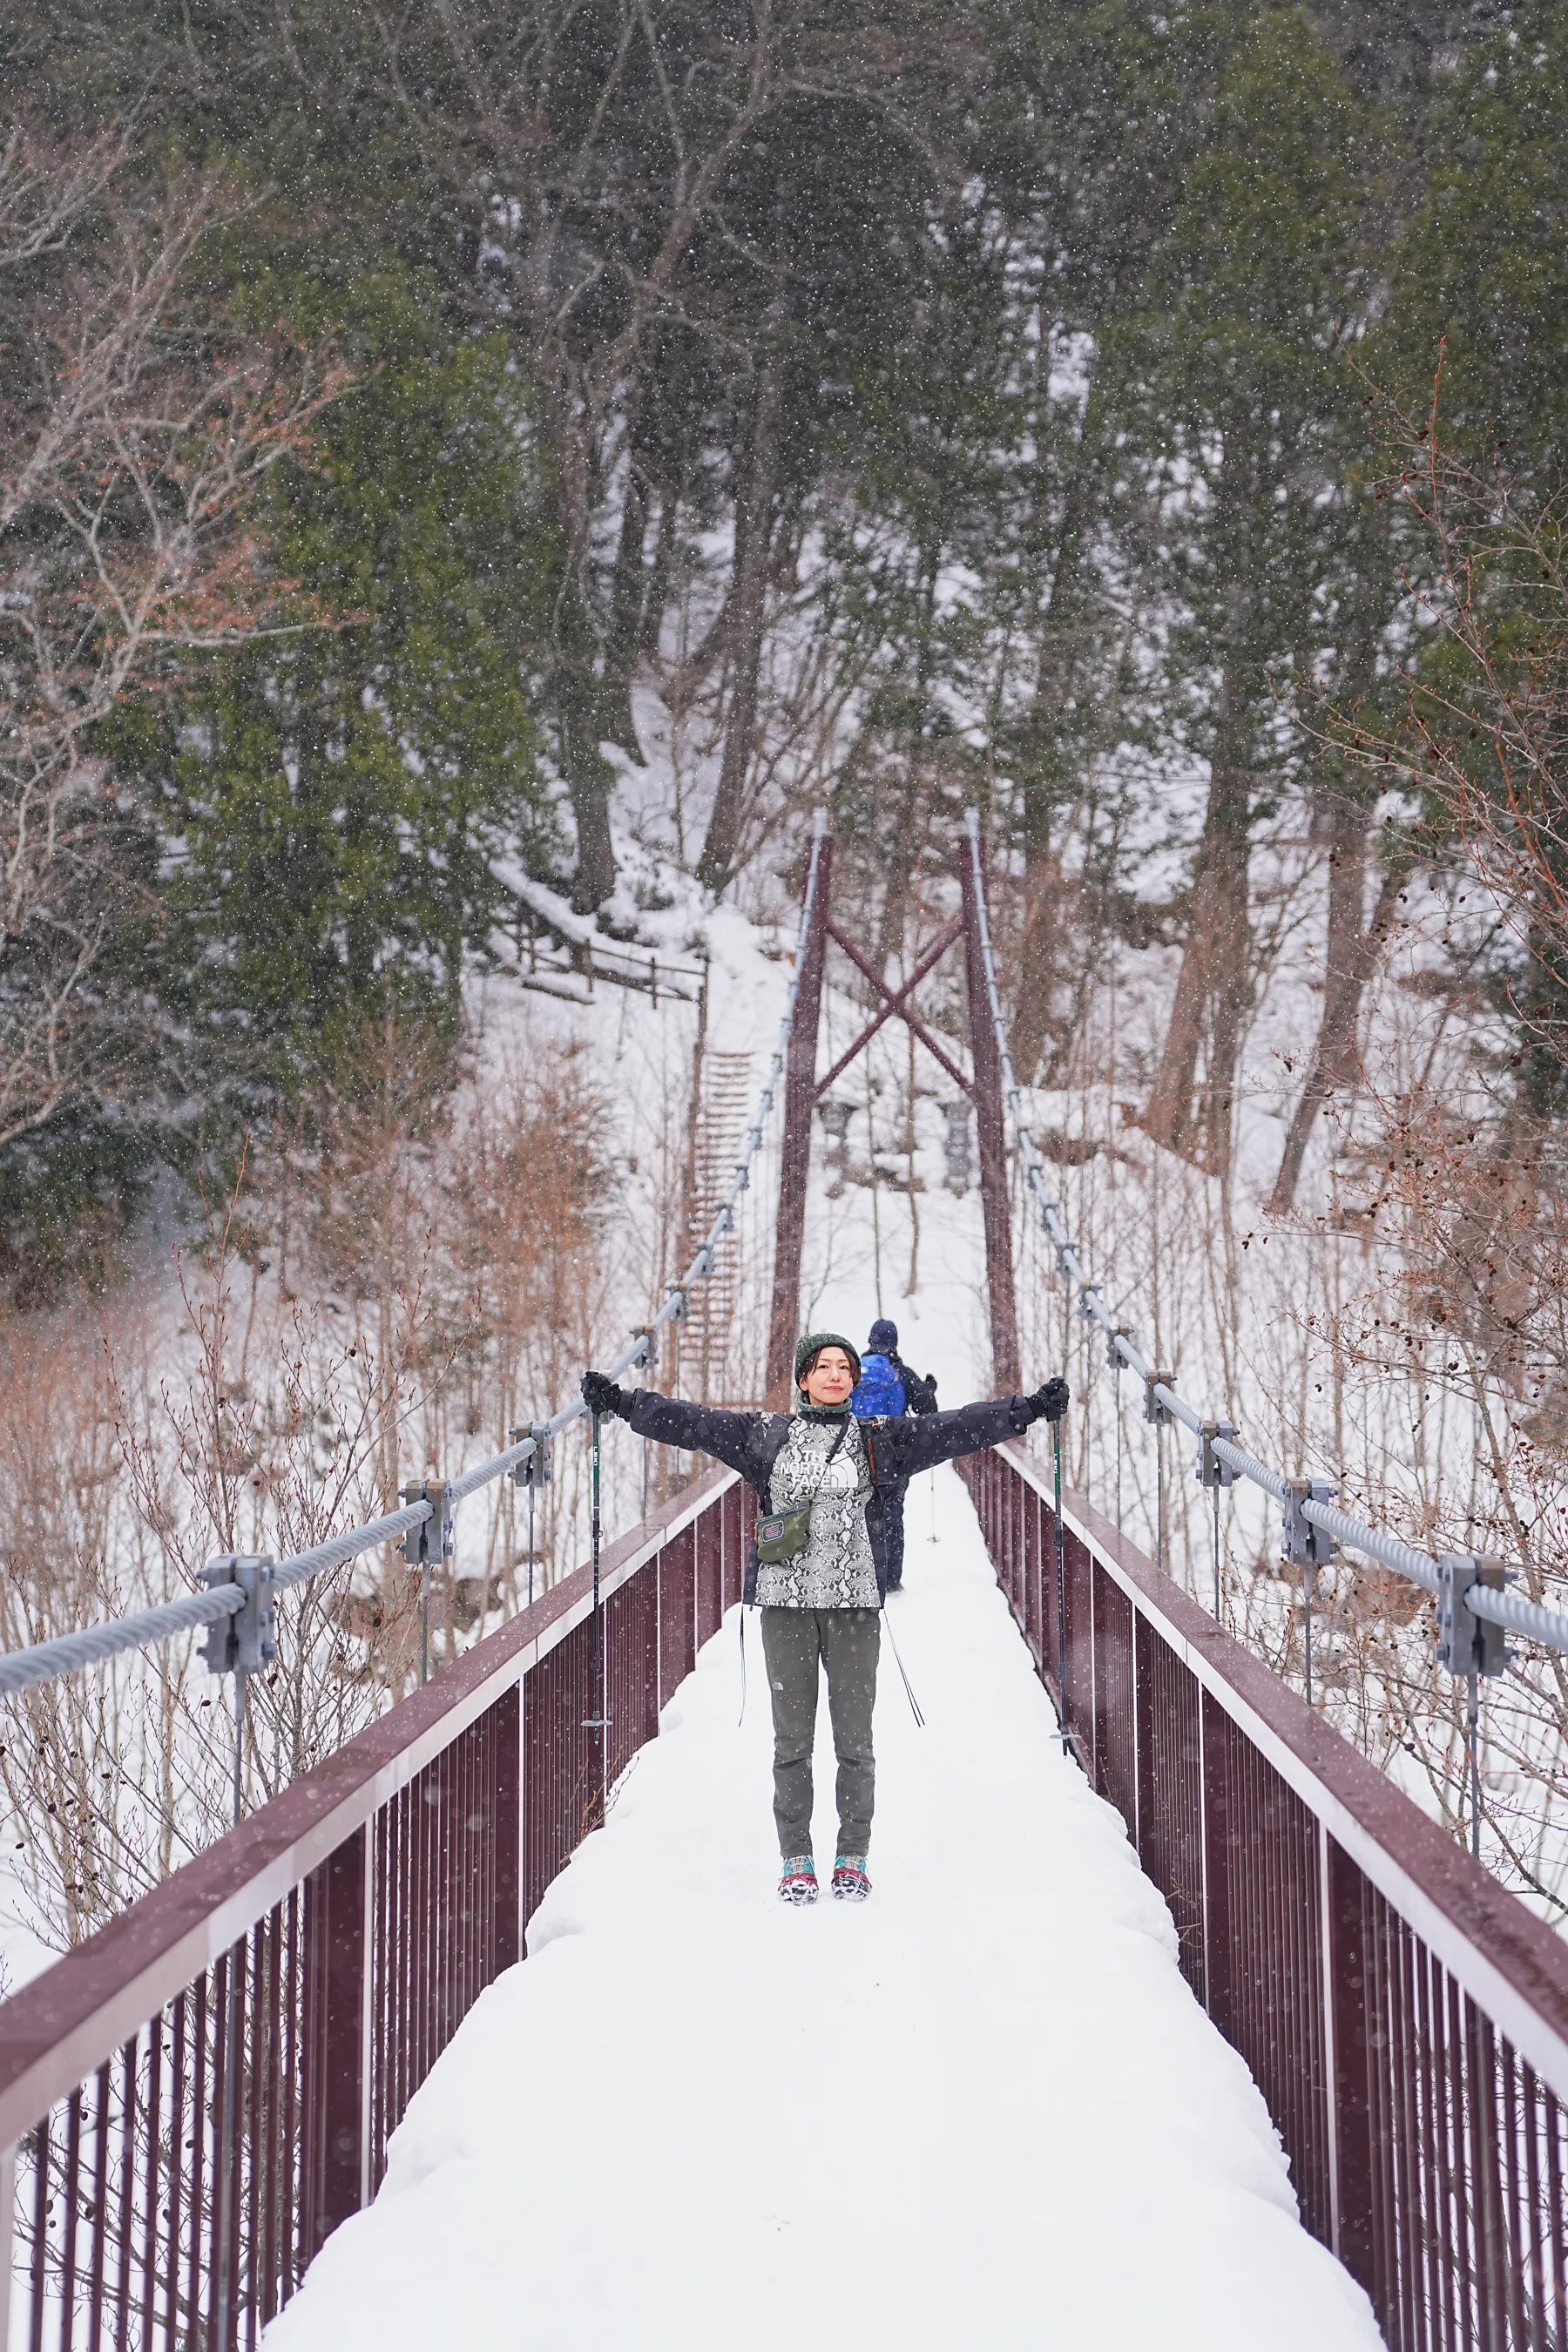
<point>847,1642</point>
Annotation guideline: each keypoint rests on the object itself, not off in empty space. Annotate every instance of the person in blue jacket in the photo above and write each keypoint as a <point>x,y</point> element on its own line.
<point>886,1389</point>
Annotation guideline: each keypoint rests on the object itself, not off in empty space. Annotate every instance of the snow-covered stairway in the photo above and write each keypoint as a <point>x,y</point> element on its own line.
<point>982,2109</point>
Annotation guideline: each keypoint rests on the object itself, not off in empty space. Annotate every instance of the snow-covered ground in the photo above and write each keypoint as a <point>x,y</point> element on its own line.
<point>982,2109</point>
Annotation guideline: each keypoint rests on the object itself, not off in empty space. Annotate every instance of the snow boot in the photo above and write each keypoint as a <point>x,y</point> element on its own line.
<point>798,1883</point>
<point>850,1884</point>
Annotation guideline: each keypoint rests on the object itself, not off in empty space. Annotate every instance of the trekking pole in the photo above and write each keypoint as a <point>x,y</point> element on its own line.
<point>1472,1728</point>
<point>1061,1586</point>
<point>909,1692</point>
<point>932,1537</point>
<point>597,1720</point>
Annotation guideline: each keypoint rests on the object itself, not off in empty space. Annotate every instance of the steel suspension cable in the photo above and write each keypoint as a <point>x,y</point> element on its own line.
<point>1510,1610</point>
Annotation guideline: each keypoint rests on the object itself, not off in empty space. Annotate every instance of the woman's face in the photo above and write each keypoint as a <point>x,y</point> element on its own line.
<point>830,1379</point>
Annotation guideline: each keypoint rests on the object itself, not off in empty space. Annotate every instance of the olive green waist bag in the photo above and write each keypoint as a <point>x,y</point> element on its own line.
<point>783,1536</point>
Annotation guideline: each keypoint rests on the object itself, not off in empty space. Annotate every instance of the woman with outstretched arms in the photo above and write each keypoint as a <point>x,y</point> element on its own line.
<point>817,1567</point>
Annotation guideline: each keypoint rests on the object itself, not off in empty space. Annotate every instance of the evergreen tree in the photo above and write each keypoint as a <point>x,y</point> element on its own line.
<point>1236,391</point>
<point>336,799</point>
<point>1483,265</point>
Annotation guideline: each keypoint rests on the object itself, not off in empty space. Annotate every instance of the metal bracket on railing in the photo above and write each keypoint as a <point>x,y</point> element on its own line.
<point>1155,1409</point>
<point>535,1469</point>
<point>1211,1471</point>
<point>1468,1645</point>
<point>432,1539</point>
<point>1308,1547</point>
<point>1115,1361</point>
<point>1090,1296</point>
<point>678,1312</point>
<point>1302,1544</point>
<point>247,1642</point>
<point>644,1333</point>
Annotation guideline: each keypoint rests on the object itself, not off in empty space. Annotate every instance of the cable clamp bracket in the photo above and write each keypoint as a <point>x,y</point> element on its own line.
<point>537,1468</point>
<point>1091,1301</point>
<point>642,1334</point>
<point>432,1539</point>
<point>1302,1543</point>
<point>246,1642</point>
<point>681,1303</point>
<point>1211,1471</point>
<point>1155,1409</point>
<point>1468,1645</point>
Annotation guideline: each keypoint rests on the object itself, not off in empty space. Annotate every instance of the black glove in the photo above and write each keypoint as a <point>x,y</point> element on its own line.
<point>601,1396</point>
<point>1051,1402</point>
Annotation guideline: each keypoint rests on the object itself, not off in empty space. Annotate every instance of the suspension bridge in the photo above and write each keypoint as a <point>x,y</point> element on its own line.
<point>1171,2019</point>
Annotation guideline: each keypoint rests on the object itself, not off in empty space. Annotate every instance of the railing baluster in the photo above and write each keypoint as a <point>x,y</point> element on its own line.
<point>152,2171</point>
<point>71,2186</point>
<point>292,2006</point>
<point>197,2270</point>
<point>176,2172</point>
<point>40,2237</point>
<point>127,2193</point>
<point>1556,2219</point>
<point>100,2207</point>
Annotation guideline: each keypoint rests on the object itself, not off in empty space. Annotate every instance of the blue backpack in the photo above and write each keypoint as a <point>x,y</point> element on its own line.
<point>879,1390</point>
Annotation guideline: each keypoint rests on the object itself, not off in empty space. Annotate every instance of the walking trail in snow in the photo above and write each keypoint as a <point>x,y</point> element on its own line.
<point>981,2109</point>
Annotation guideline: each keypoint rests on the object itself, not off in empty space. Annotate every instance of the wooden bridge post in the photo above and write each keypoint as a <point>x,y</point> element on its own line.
<point>800,1099</point>
<point>991,1137</point>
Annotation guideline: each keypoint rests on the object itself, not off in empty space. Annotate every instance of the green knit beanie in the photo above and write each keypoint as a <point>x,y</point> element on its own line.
<point>813,1345</point>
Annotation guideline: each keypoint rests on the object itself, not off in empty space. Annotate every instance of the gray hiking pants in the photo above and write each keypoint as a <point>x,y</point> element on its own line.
<point>847,1642</point>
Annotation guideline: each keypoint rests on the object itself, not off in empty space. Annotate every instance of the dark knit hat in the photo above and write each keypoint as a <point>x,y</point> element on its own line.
<point>811,1347</point>
<point>884,1336</point>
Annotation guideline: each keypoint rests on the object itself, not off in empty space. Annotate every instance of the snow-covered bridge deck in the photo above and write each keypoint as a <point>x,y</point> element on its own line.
<point>982,2109</point>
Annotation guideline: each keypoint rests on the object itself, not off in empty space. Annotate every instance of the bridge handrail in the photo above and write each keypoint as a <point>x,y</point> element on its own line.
<point>1506,1958</point>
<point>43,1662</point>
<point>65,2024</point>
<point>1404,2016</point>
<point>1309,1499</point>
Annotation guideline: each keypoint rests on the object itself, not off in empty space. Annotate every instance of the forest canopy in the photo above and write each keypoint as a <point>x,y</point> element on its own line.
<point>1018,400</point>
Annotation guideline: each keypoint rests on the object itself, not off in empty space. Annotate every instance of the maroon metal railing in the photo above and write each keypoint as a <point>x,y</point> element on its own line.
<point>1404,2016</point>
<point>193,2100</point>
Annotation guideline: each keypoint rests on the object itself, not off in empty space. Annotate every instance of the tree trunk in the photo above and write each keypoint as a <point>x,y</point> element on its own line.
<point>575,690</point>
<point>899,852</point>
<point>625,641</point>
<point>753,534</point>
<point>1038,964</point>
<point>656,596</point>
<point>1063,665</point>
<point>589,776</point>
<point>1214,987</point>
<point>1351,953</point>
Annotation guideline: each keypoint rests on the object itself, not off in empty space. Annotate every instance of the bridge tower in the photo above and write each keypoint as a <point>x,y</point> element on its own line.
<point>803,1090</point>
